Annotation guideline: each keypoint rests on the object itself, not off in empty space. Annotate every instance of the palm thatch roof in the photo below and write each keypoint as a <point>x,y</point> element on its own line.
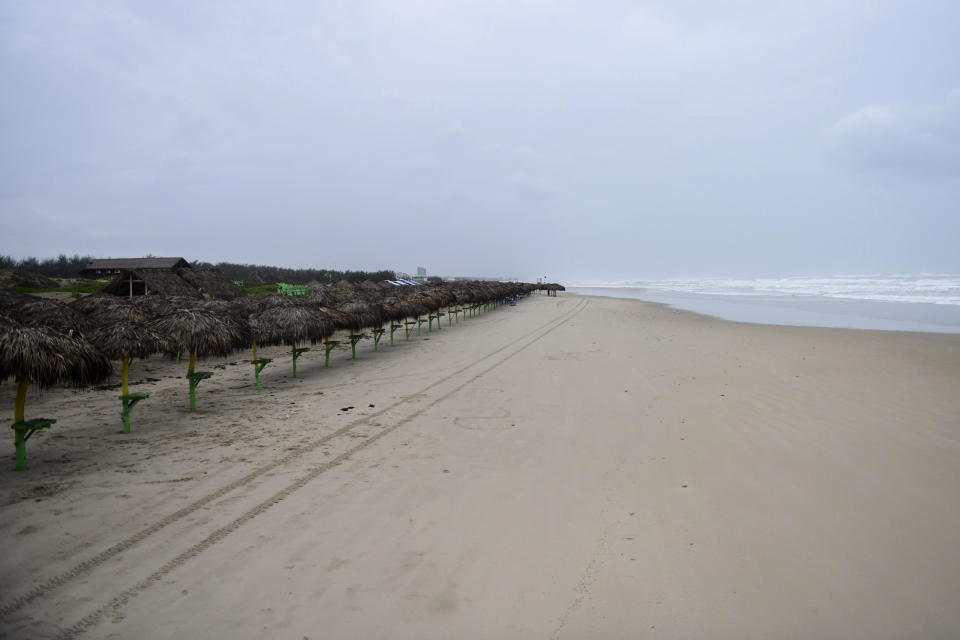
<point>443,294</point>
<point>96,302</point>
<point>369,285</point>
<point>341,320</point>
<point>50,313</point>
<point>212,283</point>
<point>165,283</point>
<point>214,327</point>
<point>422,301</point>
<point>364,314</point>
<point>292,324</point>
<point>276,300</point>
<point>45,357</point>
<point>202,332</point>
<point>237,308</point>
<point>124,331</point>
<point>396,309</point>
<point>344,286</point>
<point>156,306</point>
<point>10,299</point>
<point>325,297</point>
<point>127,339</point>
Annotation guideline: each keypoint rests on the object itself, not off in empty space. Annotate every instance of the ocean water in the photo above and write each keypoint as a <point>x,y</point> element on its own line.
<point>925,302</point>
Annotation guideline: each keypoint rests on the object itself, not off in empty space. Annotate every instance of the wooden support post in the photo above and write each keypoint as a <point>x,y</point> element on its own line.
<point>296,353</point>
<point>354,339</point>
<point>328,345</point>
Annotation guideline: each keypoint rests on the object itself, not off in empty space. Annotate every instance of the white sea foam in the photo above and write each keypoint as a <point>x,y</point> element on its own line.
<point>942,289</point>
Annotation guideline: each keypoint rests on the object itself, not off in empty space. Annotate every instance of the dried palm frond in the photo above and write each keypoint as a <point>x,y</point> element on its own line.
<point>127,339</point>
<point>50,313</point>
<point>292,325</point>
<point>97,302</point>
<point>365,314</point>
<point>44,356</point>
<point>202,332</point>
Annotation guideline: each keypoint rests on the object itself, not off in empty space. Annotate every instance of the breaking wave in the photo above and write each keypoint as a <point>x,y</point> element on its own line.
<point>923,288</point>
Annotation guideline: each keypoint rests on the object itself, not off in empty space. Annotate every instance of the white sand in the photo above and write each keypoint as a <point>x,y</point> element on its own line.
<point>569,468</point>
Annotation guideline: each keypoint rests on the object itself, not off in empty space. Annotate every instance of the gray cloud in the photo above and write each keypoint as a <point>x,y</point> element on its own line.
<point>921,141</point>
<point>593,140</point>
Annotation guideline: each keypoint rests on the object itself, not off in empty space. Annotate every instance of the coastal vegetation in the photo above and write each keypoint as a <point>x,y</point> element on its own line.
<point>64,266</point>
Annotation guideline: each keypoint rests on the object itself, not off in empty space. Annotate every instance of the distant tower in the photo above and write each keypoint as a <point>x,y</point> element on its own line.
<point>421,271</point>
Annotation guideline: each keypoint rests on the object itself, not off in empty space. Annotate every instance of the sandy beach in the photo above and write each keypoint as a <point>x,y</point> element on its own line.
<point>571,467</point>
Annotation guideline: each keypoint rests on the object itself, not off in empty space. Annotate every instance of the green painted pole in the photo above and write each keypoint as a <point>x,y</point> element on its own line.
<point>258,366</point>
<point>328,345</point>
<point>354,339</point>
<point>129,401</point>
<point>296,354</point>
<point>20,444</point>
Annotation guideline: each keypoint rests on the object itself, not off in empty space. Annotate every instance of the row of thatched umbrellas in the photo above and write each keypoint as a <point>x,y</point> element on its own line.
<point>45,342</point>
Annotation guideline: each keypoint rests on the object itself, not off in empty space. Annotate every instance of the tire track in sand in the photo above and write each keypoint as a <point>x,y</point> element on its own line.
<point>219,534</point>
<point>84,567</point>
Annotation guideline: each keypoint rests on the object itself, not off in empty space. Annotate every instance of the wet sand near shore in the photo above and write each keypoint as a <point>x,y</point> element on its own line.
<point>572,467</point>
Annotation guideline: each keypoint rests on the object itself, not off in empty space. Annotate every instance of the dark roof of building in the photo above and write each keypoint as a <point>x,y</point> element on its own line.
<point>137,263</point>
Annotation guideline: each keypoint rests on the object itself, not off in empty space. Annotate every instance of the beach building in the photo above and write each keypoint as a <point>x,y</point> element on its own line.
<point>104,268</point>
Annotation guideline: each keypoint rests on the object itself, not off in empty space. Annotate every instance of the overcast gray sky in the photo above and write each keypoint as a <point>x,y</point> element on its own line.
<point>595,140</point>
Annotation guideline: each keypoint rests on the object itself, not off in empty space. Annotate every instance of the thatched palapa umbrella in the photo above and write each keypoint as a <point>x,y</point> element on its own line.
<point>364,314</point>
<point>425,304</point>
<point>121,332</point>
<point>243,311</point>
<point>293,324</point>
<point>396,311</point>
<point>44,357</point>
<point>259,335</point>
<point>201,333</point>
